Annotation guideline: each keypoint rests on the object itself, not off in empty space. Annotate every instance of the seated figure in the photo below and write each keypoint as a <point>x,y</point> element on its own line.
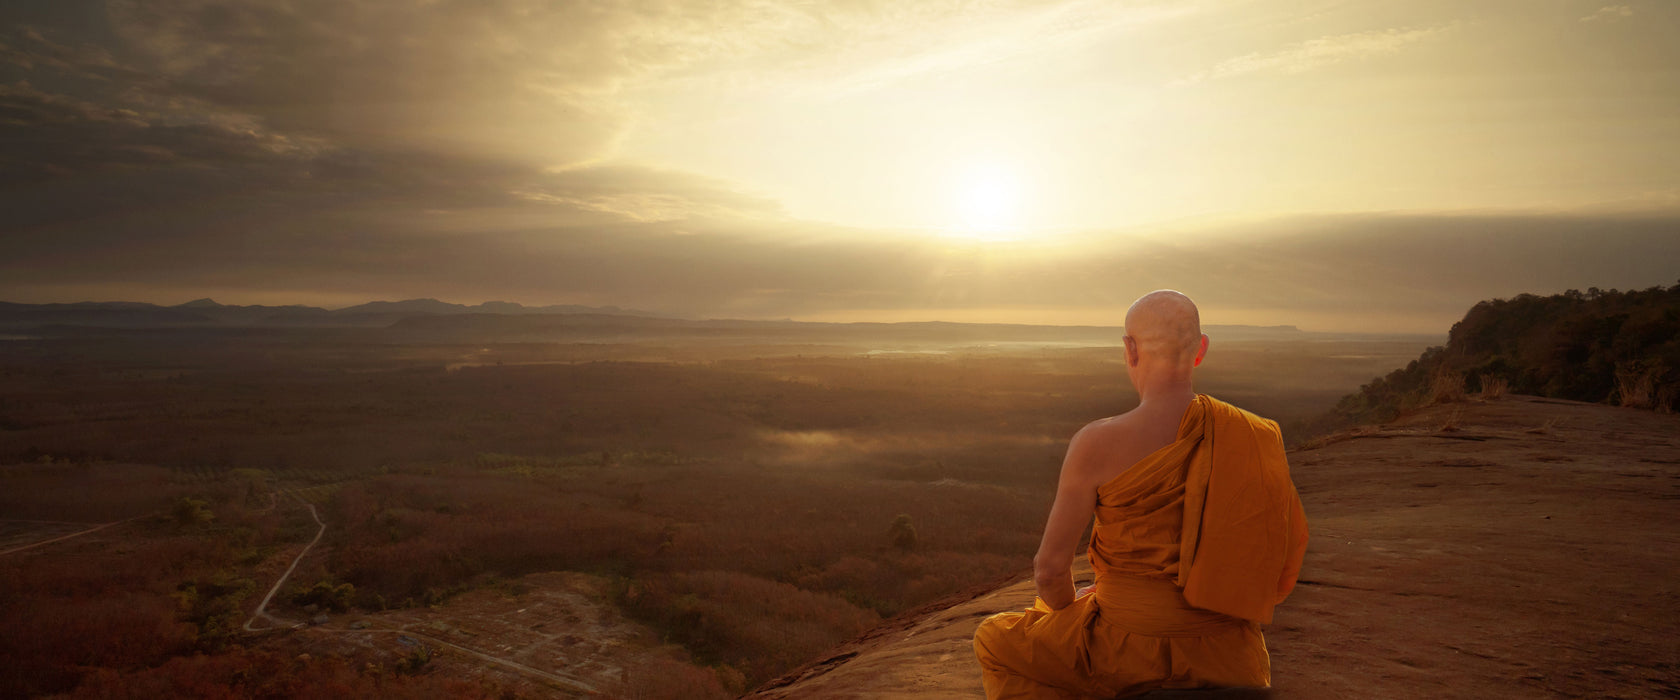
<point>1199,533</point>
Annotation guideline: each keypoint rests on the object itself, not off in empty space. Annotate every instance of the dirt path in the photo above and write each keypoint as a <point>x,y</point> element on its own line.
<point>263,606</point>
<point>62,538</point>
<point>568,683</point>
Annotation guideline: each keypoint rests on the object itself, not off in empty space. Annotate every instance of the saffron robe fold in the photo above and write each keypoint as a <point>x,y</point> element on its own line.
<point>1193,546</point>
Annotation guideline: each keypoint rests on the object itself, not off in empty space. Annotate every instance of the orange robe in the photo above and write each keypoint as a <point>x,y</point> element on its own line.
<point>1192,548</point>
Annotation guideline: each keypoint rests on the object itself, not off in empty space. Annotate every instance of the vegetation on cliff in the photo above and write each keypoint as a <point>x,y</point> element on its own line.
<point>1599,346</point>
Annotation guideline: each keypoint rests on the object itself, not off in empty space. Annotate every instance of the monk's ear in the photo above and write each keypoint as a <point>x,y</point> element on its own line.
<point>1131,351</point>
<point>1201,352</point>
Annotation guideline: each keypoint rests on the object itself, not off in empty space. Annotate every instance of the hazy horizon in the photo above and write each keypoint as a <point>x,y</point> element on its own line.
<point>1337,166</point>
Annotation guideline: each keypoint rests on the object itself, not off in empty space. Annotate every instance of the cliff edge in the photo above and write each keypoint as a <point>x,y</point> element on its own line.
<point>1519,547</point>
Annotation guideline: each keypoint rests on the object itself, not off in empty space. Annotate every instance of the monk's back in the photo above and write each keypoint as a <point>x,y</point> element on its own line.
<point>1127,438</point>
<point>1136,631</point>
<point>1189,559</point>
<point>1140,509</point>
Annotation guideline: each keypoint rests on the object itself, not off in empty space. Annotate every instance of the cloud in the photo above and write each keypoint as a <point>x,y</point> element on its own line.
<point>51,135</point>
<point>544,82</point>
<point>144,200</point>
<point>30,49</point>
<point>1324,51</point>
<point>647,194</point>
<point>906,41</point>
<point>270,149</point>
<point>510,79</point>
<point>442,105</point>
<point>1374,272</point>
<point>1609,13</point>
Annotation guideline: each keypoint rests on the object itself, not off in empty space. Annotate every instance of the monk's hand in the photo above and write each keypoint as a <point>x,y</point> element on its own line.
<point>1055,586</point>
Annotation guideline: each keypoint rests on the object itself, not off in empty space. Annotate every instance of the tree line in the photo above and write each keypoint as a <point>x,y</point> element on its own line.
<point>1602,346</point>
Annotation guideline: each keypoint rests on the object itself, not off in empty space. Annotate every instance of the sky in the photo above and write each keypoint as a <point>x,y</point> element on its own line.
<point>1335,165</point>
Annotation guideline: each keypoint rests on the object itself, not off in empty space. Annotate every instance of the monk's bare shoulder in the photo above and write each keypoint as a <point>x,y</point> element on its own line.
<point>1098,451</point>
<point>1112,428</point>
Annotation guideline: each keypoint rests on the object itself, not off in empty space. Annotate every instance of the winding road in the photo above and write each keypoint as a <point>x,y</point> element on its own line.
<point>262,608</point>
<point>280,624</point>
<point>62,538</point>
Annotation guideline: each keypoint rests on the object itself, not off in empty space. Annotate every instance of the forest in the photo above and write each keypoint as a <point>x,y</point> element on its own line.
<point>1600,346</point>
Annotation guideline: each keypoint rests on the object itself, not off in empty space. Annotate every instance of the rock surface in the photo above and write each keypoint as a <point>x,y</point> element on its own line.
<point>1520,548</point>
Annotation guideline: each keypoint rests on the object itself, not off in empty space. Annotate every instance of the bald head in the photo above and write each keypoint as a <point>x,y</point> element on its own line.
<point>1166,327</point>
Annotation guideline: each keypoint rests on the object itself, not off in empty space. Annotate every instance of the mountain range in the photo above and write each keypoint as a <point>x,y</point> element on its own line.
<point>207,312</point>
<point>433,321</point>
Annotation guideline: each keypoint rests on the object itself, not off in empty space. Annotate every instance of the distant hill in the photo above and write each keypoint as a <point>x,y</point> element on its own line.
<point>598,327</point>
<point>431,320</point>
<point>1598,346</point>
<point>116,314</point>
<point>432,306</point>
<point>208,313</point>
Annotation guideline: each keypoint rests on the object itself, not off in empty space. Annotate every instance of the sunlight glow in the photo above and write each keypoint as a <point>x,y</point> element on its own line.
<point>986,199</point>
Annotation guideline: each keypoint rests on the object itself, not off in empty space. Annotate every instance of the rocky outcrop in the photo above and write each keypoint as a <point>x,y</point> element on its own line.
<point>1519,548</point>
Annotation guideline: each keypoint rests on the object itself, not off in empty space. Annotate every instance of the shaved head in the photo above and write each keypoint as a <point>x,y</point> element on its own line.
<point>1166,326</point>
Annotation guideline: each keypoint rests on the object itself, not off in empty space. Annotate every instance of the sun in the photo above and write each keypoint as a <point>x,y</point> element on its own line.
<point>986,202</point>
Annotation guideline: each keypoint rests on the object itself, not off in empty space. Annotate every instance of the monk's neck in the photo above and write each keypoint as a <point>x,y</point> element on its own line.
<point>1172,397</point>
<point>1165,405</point>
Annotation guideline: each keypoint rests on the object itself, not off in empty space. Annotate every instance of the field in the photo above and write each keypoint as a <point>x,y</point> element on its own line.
<point>635,518</point>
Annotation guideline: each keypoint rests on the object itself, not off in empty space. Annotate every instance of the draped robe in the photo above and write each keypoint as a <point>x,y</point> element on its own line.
<point>1193,546</point>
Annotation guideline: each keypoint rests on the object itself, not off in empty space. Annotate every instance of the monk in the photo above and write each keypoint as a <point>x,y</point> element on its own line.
<point>1199,533</point>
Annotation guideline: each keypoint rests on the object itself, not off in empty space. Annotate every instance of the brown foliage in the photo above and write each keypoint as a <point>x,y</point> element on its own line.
<point>129,596</point>
<point>696,480</point>
<point>84,492</point>
<point>1446,387</point>
<point>757,626</point>
<point>262,674</point>
<point>1494,388</point>
<point>1636,387</point>
<point>670,528</point>
<point>106,609</point>
<point>660,679</point>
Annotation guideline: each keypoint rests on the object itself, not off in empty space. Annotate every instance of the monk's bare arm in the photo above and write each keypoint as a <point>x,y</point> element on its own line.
<point>1076,499</point>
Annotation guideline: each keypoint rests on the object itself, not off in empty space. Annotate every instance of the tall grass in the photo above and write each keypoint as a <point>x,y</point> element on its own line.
<point>1446,387</point>
<point>1636,387</point>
